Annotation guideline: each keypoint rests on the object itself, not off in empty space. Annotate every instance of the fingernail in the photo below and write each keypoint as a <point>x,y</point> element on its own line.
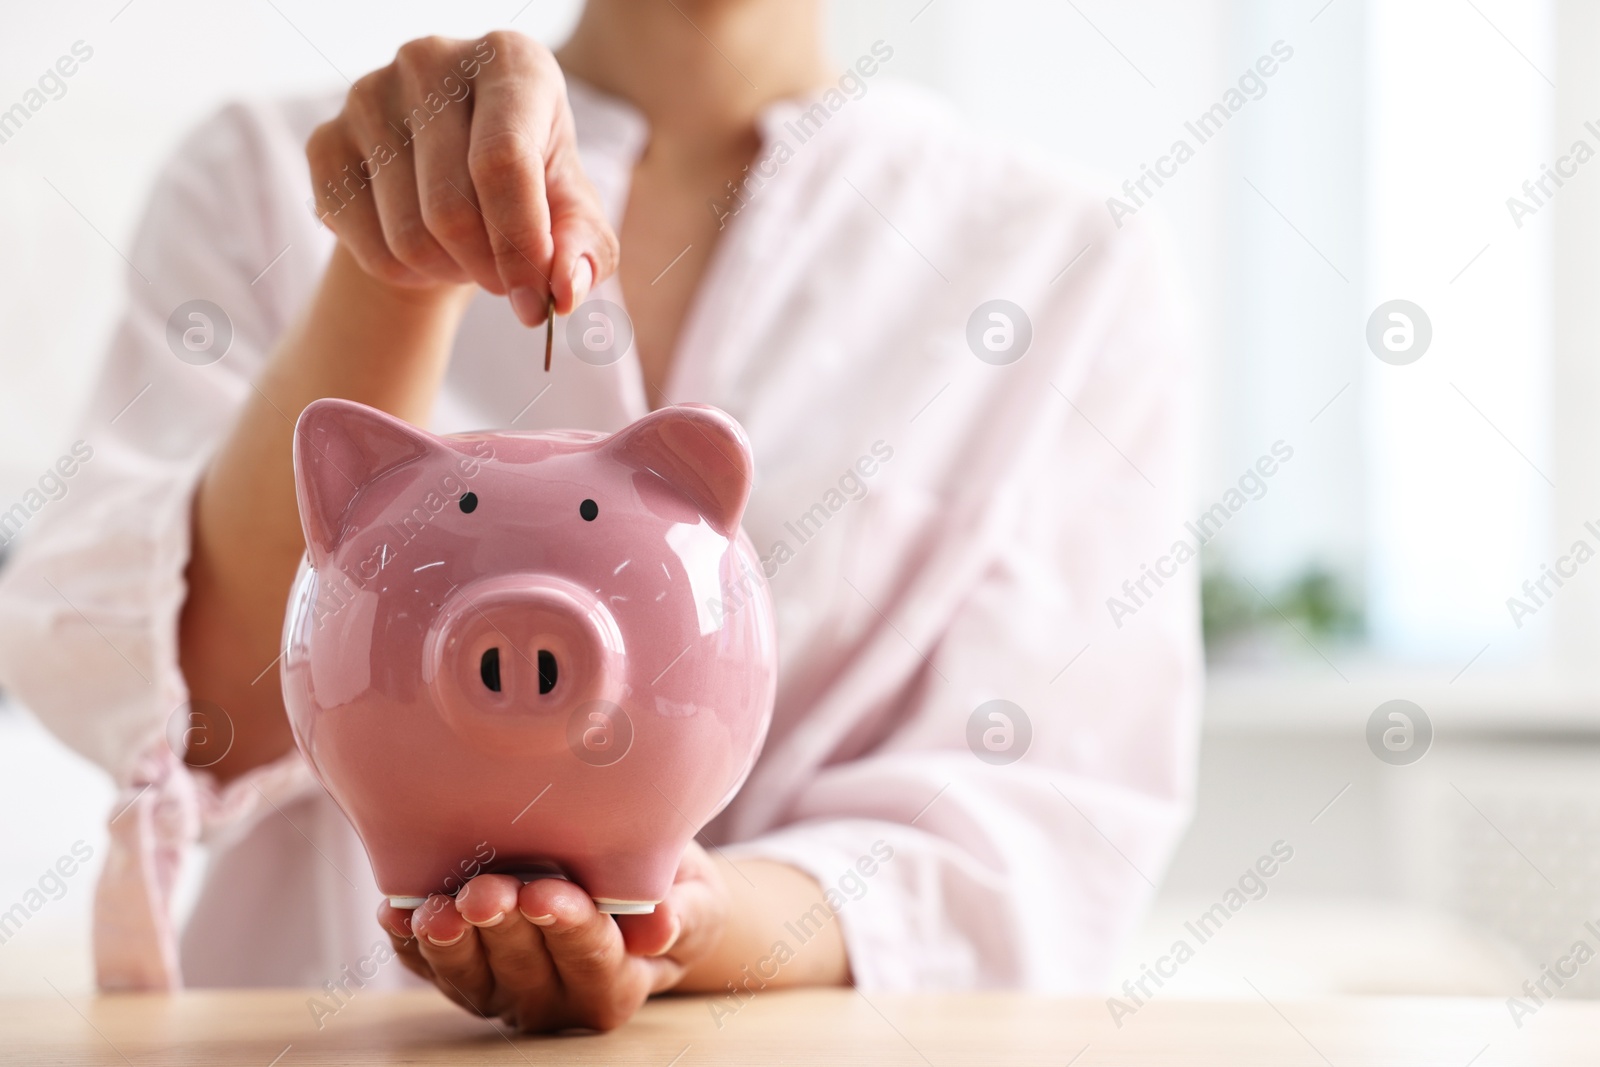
<point>540,920</point>
<point>496,921</point>
<point>528,305</point>
<point>582,279</point>
<point>677,932</point>
<point>436,943</point>
<point>403,934</point>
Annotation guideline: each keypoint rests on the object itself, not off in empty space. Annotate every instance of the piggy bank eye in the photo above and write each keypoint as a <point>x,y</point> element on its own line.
<point>588,509</point>
<point>469,503</point>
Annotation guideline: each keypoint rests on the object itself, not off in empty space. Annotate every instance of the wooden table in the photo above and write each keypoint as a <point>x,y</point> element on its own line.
<point>834,1027</point>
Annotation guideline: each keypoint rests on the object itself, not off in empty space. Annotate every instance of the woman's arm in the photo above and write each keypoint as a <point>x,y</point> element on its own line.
<point>362,339</point>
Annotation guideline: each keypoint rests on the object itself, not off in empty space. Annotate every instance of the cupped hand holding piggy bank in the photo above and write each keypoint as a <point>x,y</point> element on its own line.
<point>527,653</point>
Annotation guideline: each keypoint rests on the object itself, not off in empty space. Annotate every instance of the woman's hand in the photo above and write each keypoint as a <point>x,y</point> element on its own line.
<point>457,163</point>
<point>540,957</point>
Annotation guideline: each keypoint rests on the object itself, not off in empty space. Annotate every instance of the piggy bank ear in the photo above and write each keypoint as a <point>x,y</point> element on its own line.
<point>339,447</point>
<point>700,451</point>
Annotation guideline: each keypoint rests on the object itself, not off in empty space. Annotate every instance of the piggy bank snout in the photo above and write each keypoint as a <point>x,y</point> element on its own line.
<point>522,647</point>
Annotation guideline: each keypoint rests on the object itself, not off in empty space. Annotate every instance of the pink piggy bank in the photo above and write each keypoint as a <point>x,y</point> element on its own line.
<point>534,653</point>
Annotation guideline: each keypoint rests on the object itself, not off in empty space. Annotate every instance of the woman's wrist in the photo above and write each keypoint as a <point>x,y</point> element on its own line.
<point>769,902</point>
<point>354,282</point>
<point>365,339</point>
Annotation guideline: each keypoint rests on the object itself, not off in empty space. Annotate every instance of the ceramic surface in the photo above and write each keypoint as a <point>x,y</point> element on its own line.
<point>527,652</point>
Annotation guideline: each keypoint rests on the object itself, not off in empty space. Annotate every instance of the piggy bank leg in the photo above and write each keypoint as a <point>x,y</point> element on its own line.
<point>628,885</point>
<point>610,906</point>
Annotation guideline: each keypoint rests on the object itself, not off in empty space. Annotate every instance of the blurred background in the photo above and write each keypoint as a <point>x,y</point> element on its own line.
<point>1429,479</point>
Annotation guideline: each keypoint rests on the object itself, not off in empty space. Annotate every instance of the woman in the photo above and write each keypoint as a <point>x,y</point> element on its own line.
<point>817,252</point>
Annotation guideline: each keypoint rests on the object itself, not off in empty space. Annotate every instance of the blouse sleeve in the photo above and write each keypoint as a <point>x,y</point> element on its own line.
<point>89,604</point>
<point>1018,843</point>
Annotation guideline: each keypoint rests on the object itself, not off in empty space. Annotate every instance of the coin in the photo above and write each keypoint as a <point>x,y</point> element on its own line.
<point>549,330</point>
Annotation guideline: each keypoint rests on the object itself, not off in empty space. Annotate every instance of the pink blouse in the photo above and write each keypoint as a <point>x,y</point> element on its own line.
<point>952,490</point>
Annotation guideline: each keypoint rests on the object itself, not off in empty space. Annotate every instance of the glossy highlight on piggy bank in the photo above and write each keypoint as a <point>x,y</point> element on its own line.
<point>553,648</point>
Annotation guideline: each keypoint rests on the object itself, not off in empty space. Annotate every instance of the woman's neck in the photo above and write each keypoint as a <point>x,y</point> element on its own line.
<point>699,70</point>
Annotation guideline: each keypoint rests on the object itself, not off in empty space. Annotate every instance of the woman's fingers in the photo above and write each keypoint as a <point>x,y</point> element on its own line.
<point>397,924</point>
<point>452,950</point>
<point>584,943</point>
<point>346,206</point>
<point>385,126</point>
<point>601,985</point>
<point>520,95</point>
<point>542,955</point>
<point>379,116</point>
<point>513,946</point>
<point>696,914</point>
<point>449,201</point>
<point>653,934</point>
<point>458,162</point>
<point>443,185</point>
<point>684,927</point>
<point>586,246</point>
<point>651,939</point>
<point>405,231</point>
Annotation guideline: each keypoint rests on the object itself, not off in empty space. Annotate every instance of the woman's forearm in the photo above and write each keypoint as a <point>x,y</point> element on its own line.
<point>360,339</point>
